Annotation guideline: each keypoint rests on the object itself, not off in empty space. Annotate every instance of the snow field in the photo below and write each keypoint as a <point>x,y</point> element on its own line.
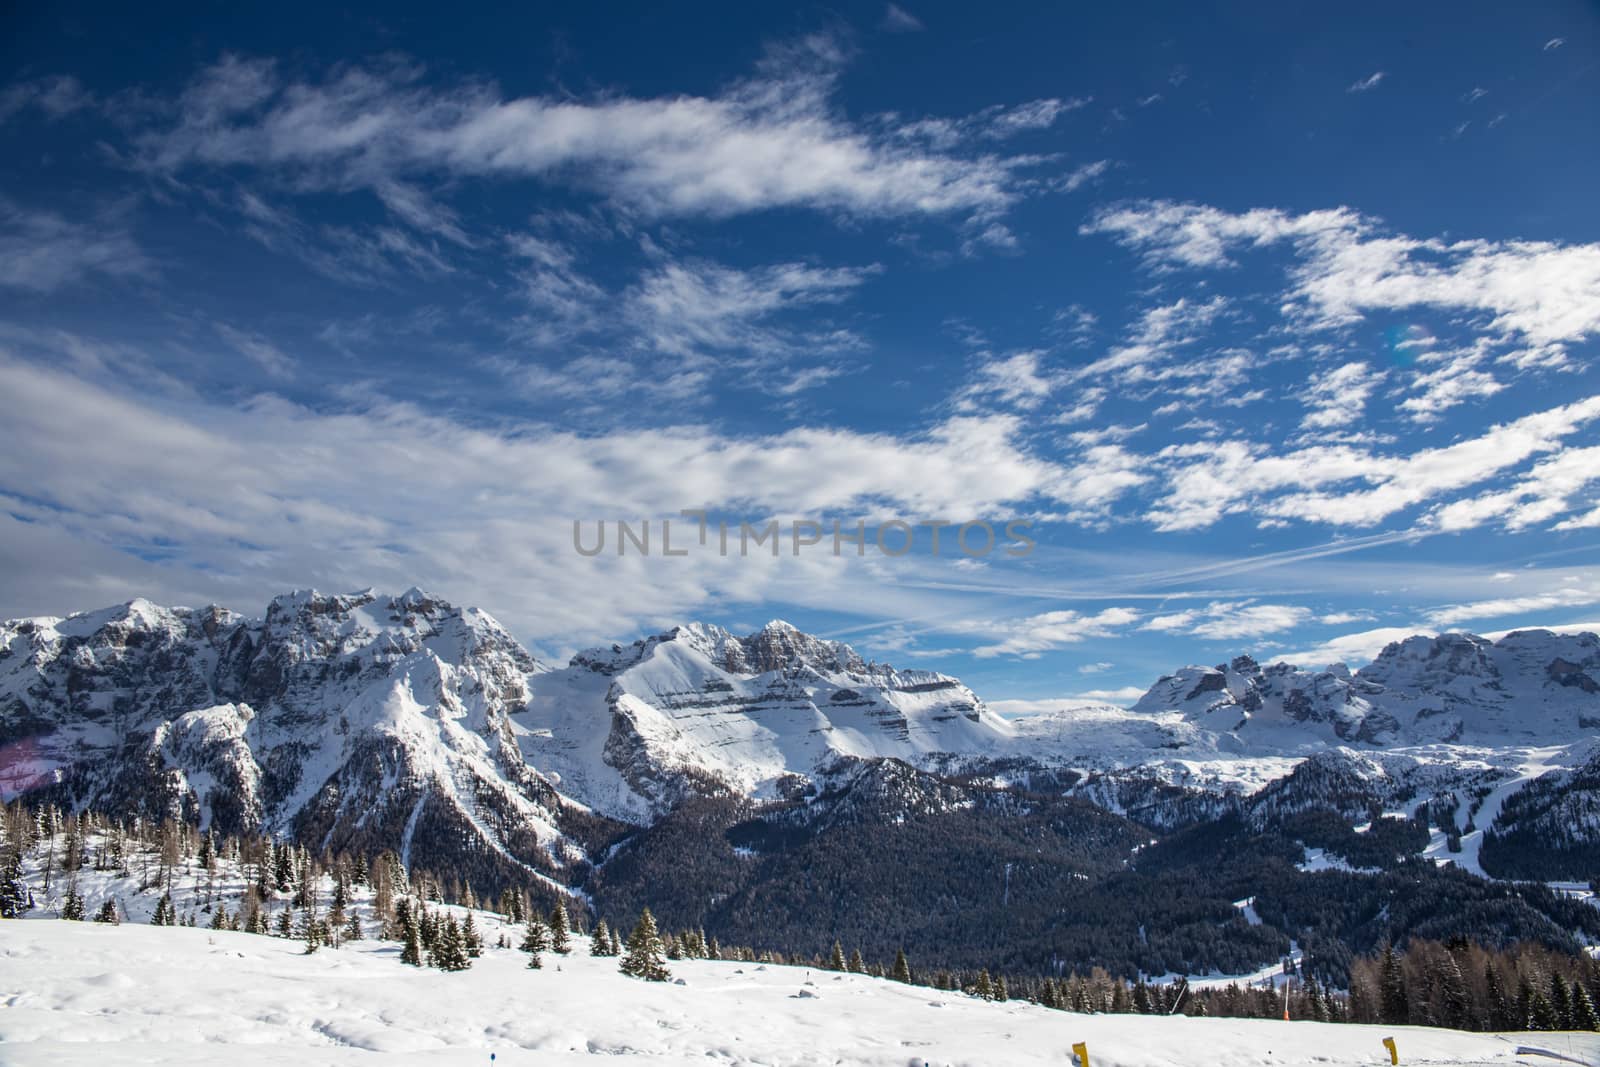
<point>86,995</point>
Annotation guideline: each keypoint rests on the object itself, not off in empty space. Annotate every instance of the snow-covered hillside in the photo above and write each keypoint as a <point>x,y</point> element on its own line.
<point>83,994</point>
<point>627,730</point>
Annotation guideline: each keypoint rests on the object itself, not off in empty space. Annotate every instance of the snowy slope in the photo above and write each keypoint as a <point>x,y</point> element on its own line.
<point>83,994</point>
<point>627,729</point>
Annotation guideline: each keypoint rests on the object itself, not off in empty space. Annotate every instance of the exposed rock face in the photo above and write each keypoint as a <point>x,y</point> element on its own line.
<point>352,721</point>
<point>1532,686</point>
<point>628,729</point>
<point>363,722</point>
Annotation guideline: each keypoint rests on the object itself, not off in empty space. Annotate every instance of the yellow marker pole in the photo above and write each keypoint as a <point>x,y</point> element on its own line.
<point>1081,1051</point>
<point>1394,1053</point>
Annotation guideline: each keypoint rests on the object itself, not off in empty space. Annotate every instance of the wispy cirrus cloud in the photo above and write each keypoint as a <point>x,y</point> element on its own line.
<point>774,139</point>
<point>41,251</point>
<point>1367,84</point>
<point>1228,620</point>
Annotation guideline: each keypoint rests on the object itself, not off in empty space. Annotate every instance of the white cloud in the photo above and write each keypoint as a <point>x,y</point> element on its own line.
<point>897,19</point>
<point>258,350</point>
<point>1519,605</point>
<point>255,499</point>
<point>1095,668</point>
<point>1343,618</point>
<point>1367,84</point>
<point>41,252</point>
<point>1541,290</point>
<point>1229,620</point>
<point>1337,397</point>
<point>775,139</point>
<point>1546,492</point>
<point>1040,633</point>
<point>1354,649</point>
<point>1014,381</point>
<point>55,97</point>
<point>1208,480</point>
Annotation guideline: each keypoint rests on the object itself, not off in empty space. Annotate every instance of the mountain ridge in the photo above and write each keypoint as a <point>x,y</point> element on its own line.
<point>354,720</point>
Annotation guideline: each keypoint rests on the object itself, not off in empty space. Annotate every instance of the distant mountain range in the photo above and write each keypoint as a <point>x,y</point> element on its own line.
<point>361,722</point>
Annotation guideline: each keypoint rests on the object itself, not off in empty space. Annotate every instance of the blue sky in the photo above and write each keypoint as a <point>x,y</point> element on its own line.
<point>1278,325</point>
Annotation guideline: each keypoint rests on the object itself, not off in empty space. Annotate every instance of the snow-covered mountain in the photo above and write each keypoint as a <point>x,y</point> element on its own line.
<point>365,721</point>
<point>629,729</point>
<point>1532,687</point>
<point>350,722</point>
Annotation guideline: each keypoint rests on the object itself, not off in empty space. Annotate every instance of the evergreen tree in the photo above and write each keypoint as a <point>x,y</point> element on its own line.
<point>616,942</point>
<point>108,913</point>
<point>857,964</point>
<point>1395,1003</point>
<point>470,939</point>
<point>714,950</point>
<point>1498,1006</point>
<point>983,988</point>
<point>1455,1002</point>
<point>902,969</point>
<point>286,922</point>
<point>15,897</point>
<point>535,941</point>
<point>1560,1002</point>
<point>643,958</point>
<point>72,907</point>
<point>602,939</point>
<point>560,925</point>
<point>1583,1013</point>
<point>310,931</point>
<point>165,914</point>
<point>1541,1015</point>
<point>411,932</point>
<point>836,960</point>
<point>352,929</point>
<point>450,949</point>
<point>1000,991</point>
<point>219,918</point>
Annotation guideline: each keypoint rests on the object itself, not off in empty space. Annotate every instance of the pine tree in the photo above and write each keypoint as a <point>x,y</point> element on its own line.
<point>1499,1007</point>
<point>616,942</point>
<point>1394,1000</point>
<point>535,941</point>
<point>470,939</point>
<point>1541,1015</point>
<point>643,958</point>
<point>310,931</point>
<point>713,950</point>
<point>72,907</point>
<point>219,918</point>
<point>1000,992</point>
<point>411,932</point>
<point>1583,1013</point>
<point>165,914</point>
<point>1560,1002</point>
<point>352,929</point>
<point>108,914</point>
<point>450,950</point>
<point>983,988</point>
<point>836,960</point>
<point>902,969</point>
<point>602,939</point>
<point>857,964</point>
<point>560,925</point>
<point>15,898</point>
<point>286,922</point>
